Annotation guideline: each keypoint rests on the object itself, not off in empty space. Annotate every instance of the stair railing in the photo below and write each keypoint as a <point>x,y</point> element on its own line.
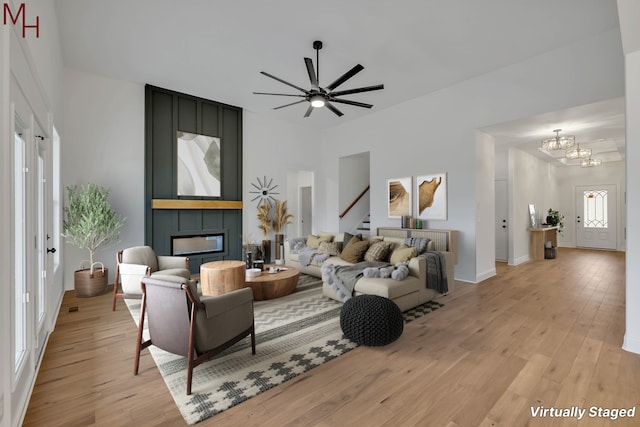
<point>356,200</point>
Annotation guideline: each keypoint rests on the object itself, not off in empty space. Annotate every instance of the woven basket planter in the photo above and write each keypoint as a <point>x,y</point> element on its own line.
<point>90,285</point>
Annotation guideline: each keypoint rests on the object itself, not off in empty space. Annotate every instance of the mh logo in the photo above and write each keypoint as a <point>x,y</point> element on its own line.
<point>14,19</point>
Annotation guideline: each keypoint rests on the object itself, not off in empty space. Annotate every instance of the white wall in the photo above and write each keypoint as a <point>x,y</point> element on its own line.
<point>273,148</point>
<point>436,133</point>
<point>47,53</point>
<point>502,164</point>
<point>532,181</point>
<point>629,11</point>
<point>485,206</point>
<point>104,144</point>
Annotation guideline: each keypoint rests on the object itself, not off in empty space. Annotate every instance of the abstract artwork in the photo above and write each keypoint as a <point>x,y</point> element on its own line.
<point>198,165</point>
<point>399,197</point>
<point>431,196</point>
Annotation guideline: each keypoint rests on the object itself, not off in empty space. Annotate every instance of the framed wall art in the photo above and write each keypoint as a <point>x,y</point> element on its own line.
<point>198,165</point>
<point>431,196</point>
<point>398,197</point>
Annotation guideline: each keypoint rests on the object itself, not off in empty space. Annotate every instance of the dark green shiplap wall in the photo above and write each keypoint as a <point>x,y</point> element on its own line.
<point>166,113</point>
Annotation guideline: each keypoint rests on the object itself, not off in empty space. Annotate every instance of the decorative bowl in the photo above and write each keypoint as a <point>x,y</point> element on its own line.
<point>253,272</point>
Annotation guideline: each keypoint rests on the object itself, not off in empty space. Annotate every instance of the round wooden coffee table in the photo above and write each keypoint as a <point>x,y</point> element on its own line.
<point>273,285</point>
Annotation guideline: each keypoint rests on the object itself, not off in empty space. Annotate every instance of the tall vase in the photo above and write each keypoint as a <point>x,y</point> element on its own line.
<point>266,251</point>
<point>279,247</point>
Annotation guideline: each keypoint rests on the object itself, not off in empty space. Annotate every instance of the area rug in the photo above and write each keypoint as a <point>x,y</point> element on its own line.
<point>293,335</point>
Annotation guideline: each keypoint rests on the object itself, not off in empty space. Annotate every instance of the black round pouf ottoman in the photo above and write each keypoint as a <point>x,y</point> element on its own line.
<point>371,320</point>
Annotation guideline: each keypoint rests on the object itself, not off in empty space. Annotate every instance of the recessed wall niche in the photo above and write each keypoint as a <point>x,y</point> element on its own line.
<point>168,215</point>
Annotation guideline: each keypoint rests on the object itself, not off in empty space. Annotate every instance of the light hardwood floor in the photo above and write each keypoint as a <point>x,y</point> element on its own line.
<point>546,333</point>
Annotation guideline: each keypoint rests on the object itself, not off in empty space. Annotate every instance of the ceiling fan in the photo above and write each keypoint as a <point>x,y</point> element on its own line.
<point>319,96</point>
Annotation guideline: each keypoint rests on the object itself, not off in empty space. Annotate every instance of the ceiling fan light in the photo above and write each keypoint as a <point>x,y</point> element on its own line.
<point>317,101</point>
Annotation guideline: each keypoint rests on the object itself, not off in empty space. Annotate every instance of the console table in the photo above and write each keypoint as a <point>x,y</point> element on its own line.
<point>538,237</point>
<point>444,240</point>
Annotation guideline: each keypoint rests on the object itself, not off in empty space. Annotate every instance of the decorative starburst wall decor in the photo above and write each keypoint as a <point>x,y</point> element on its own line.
<point>264,191</point>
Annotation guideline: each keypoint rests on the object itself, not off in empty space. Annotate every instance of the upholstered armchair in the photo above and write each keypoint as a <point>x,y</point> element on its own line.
<point>189,325</point>
<point>137,262</point>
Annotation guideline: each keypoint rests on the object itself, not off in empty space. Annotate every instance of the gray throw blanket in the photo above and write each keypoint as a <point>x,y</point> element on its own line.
<point>343,278</point>
<point>436,271</point>
<point>306,255</point>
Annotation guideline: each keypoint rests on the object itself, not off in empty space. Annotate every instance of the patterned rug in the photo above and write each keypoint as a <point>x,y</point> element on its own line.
<point>293,335</point>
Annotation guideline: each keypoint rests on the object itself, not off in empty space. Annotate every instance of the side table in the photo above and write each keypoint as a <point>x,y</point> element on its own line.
<point>220,277</point>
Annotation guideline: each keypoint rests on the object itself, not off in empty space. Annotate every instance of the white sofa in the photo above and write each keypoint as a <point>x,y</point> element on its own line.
<point>407,293</point>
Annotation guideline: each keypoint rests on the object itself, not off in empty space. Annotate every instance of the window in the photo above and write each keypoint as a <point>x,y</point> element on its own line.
<point>595,209</point>
<point>20,253</point>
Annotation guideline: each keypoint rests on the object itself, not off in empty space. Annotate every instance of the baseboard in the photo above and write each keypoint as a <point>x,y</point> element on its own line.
<point>631,345</point>
<point>520,260</point>
<point>485,275</point>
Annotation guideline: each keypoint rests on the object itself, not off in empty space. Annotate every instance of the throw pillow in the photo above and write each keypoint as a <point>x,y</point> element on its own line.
<point>378,251</point>
<point>354,251</point>
<point>296,243</point>
<point>403,253</point>
<point>348,236</point>
<point>314,241</point>
<point>420,243</point>
<point>401,272</point>
<point>331,248</point>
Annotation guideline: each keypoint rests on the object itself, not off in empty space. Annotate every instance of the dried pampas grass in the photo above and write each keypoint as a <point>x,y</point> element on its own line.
<point>282,218</point>
<point>263,217</point>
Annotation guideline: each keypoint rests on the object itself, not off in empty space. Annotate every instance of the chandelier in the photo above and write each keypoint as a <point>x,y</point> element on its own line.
<point>558,142</point>
<point>578,153</point>
<point>589,163</point>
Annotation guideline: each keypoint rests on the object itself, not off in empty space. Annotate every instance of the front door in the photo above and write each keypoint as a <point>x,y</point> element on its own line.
<point>596,213</point>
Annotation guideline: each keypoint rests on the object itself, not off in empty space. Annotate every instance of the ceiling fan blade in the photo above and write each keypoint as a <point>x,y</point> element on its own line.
<point>278,94</point>
<point>346,101</point>
<point>346,76</point>
<point>309,110</point>
<point>357,90</point>
<point>312,72</point>
<point>333,109</point>
<point>287,105</point>
<point>283,81</point>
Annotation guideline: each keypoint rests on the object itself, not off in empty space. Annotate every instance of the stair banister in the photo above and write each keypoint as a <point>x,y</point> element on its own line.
<point>357,199</point>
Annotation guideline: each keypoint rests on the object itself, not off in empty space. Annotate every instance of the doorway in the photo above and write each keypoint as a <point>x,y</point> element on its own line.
<point>501,223</point>
<point>300,195</point>
<point>306,213</point>
<point>31,316</point>
<point>596,213</point>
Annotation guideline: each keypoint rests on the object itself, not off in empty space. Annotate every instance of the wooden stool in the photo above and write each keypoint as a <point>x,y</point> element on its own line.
<point>220,277</point>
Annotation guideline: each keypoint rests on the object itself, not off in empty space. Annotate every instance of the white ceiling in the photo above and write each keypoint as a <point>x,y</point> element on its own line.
<point>216,49</point>
<point>599,126</point>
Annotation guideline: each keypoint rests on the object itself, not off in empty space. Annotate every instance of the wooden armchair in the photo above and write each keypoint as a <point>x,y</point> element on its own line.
<point>197,328</point>
<point>137,262</point>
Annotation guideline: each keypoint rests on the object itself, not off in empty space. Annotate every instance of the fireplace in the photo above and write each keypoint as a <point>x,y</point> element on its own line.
<point>197,244</point>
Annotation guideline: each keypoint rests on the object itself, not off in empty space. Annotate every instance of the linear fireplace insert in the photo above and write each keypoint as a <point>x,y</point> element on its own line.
<point>197,244</point>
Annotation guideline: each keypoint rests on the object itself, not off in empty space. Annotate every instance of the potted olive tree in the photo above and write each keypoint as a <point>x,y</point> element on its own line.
<point>90,223</point>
